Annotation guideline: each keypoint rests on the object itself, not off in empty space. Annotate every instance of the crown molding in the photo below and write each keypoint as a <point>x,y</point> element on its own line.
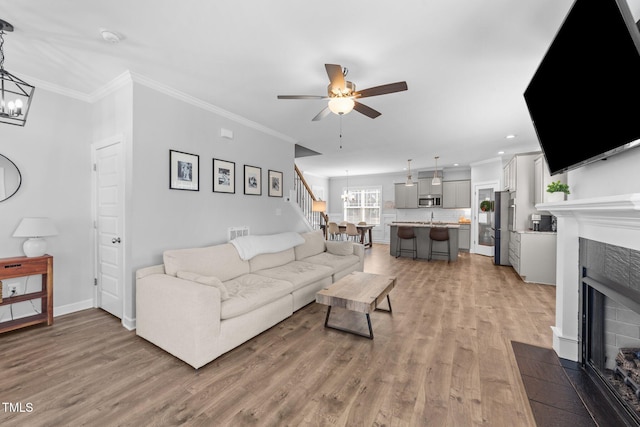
<point>169,91</point>
<point>128,77</point>
<point>60,90</point>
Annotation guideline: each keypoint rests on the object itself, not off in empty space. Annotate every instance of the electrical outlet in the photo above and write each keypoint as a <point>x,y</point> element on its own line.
<point>13,289</point>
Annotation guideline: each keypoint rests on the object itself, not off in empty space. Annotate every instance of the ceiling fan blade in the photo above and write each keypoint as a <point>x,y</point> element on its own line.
<point>367,111</point>
<point>336,76</point>
<point>301,97</point>
<point>322,114</point>
<point>381,90</point>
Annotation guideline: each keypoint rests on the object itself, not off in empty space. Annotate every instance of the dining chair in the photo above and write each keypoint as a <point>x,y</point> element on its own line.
<point>352,231</point>
<point>334,231</point>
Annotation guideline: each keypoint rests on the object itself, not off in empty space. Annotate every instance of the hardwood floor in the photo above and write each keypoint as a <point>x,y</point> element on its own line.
<point>442,358</point>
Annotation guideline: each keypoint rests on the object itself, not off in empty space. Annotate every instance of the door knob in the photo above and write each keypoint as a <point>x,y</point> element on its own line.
<point>115,240</point>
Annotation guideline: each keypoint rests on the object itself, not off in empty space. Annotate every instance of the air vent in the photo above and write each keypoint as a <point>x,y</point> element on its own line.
<point>234,232</point>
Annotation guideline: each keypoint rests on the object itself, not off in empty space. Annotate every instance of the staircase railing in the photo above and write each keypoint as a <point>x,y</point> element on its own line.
<point>305,199</point>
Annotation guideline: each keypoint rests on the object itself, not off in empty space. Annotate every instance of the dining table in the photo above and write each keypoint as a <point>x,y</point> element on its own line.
<point>362,229</point>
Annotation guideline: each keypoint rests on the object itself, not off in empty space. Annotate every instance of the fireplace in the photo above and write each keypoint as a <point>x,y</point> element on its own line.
<point>610,317</point>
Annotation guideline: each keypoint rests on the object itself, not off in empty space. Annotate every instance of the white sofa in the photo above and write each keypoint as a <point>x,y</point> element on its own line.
<point>203,302</point>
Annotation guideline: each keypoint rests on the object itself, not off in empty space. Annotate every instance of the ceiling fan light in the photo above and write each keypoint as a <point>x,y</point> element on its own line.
<point>341,105</point>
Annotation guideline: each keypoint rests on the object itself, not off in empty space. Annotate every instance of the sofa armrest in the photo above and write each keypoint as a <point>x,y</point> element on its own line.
<point>180,316</point>
<point>145,271</point>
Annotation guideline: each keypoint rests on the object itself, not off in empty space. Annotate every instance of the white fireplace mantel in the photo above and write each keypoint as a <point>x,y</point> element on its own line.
<point>614,220</point>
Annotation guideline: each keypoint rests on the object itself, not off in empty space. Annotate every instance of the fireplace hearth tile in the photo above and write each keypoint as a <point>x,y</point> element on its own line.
<point>559,392</point>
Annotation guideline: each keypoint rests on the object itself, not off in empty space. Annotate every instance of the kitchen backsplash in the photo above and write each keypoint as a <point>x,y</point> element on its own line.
<point>439,214</point>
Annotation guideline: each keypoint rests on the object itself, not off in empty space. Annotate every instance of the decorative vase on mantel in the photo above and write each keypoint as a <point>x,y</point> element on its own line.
<point>558,196</point>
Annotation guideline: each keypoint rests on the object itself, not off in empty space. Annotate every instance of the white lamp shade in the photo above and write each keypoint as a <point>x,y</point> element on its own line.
<point>436,181</point>
<point>341,105</point>
<point>319,206</point>
<point>35,227</point>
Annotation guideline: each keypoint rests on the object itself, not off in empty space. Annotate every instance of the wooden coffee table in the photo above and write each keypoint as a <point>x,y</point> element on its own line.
<point>358,291</point>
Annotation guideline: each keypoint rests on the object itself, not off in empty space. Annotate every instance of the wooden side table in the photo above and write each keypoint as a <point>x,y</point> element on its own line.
<point>24,266</point>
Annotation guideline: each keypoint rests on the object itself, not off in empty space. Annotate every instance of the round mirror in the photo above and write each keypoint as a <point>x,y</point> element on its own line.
<point>10,178</point>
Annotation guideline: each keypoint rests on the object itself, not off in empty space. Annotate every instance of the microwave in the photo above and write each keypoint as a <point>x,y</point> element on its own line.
<point>430,202</point>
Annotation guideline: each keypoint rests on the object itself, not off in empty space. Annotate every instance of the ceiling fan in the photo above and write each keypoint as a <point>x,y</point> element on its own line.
<point>342,94</point>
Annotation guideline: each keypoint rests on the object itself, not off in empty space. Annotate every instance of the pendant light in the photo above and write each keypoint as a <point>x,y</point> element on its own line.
<point>436,179</point>
<point>409,180</point>
<point>15,94</point>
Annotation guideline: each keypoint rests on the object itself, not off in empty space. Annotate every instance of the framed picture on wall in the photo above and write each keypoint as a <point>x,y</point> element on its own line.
<point>275,184</point>
<point>184,171</point>
<point>252,180</point>
<point>224,176</point>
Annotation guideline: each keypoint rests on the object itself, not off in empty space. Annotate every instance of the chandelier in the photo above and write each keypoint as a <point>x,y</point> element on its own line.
<point>15,94</point>
<point>347,196</point>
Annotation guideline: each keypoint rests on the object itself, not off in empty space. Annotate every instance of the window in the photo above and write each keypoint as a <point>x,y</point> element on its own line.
<point>363,204</point>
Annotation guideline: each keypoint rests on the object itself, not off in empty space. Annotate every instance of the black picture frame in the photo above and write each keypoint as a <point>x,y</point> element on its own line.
<point>184,171</point>
<point>252,180</point>
<point>224,176</point>
<point>275,183</point>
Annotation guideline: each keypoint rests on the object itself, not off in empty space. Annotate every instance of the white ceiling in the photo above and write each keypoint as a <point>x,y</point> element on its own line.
<point>466,63</point>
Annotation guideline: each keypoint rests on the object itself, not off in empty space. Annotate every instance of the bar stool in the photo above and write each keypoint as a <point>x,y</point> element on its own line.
<point>406,233</point>
<point>439,234</point>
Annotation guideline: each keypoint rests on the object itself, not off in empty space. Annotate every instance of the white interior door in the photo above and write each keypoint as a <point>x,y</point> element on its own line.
<point>482,218</point>
<point>108,223</point>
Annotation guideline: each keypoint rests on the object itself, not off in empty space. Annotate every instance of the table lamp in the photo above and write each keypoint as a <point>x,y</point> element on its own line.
<point>35,229</point>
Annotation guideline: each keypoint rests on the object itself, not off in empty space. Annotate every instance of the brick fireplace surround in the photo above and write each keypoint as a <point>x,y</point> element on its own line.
<point>614,220</point>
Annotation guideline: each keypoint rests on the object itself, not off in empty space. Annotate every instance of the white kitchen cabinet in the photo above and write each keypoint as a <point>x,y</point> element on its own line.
<point>509,175</point>
<point>426,189</point>
<point>456,194</point>
<point>533,256</point>
<point>542,178</point>
<point>406,197</point>
<point>464,237</point>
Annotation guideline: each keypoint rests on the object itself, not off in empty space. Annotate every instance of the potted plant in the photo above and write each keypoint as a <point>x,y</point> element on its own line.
<point>558,191</point>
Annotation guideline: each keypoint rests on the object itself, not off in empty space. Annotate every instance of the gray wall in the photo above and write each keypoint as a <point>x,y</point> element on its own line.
<point>53,152</point>
<point>54,157</point>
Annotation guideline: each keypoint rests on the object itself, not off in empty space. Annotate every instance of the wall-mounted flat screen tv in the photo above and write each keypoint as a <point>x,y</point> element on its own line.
<point>583,97</point>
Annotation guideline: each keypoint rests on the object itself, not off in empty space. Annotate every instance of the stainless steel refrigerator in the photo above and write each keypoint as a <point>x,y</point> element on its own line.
<point>500,228</point>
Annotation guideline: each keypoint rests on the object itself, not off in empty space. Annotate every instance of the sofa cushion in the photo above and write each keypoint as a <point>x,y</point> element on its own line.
<point>205,280</point>
<point>263,261</point>
<point>314,244</point>
<point>299,273</point>
<point>340,248</point>
<point>249,292</point>
<point>336,262</point>
<point>221,261</point>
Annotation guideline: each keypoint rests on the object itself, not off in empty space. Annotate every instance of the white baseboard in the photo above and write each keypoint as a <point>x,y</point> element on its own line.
<point>72,308</point>
<point>129,323</point>
<point>565,347</point>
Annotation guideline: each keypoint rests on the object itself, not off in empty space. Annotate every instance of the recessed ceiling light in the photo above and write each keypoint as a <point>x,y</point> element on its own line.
<point>456,164</point>
<point>109,36</point>
<point>510,136</point>
<point>500,152</point>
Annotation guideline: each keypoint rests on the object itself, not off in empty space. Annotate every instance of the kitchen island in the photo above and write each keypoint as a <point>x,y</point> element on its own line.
<point>421,230</point>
